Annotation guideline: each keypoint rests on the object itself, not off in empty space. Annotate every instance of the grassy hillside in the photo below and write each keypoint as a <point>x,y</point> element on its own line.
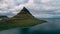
<point>7,24</point>
<point>23,19</point>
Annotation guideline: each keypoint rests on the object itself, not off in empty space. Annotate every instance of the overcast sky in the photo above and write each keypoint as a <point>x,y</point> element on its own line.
<point>38,8</point>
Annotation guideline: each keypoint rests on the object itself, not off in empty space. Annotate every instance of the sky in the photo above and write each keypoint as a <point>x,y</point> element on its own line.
<point>38,8</point>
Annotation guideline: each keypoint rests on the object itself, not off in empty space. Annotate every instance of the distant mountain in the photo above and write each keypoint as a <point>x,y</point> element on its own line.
<point>56,17</point>
<point>3,17</point>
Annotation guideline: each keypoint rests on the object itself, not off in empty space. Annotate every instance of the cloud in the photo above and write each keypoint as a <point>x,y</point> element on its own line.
<point>47,8</point>
<point>44,1</point>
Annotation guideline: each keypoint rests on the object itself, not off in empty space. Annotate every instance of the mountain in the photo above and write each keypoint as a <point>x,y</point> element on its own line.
<point>24,14</point>
<point>55,16</point>
<point>23,19</point>
<point>3,17</point>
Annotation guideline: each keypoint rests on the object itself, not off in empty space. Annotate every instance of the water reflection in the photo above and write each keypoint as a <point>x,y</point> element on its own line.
<point>25,31</point>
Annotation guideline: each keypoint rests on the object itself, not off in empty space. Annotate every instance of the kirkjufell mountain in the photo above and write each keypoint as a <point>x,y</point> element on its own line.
<point>24,14</point>
<point>23,19</point>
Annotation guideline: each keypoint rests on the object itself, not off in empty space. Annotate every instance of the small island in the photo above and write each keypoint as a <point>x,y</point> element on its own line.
<point>24,19</point>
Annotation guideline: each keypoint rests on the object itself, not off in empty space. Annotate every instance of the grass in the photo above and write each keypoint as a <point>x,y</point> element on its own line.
<point>22,23</point>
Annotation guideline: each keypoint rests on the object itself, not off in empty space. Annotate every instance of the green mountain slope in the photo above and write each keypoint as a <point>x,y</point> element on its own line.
<point>23,19</point>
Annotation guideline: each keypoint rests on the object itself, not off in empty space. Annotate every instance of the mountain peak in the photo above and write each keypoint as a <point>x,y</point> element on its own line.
<point>24,8</point>
<point>25,11</point>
